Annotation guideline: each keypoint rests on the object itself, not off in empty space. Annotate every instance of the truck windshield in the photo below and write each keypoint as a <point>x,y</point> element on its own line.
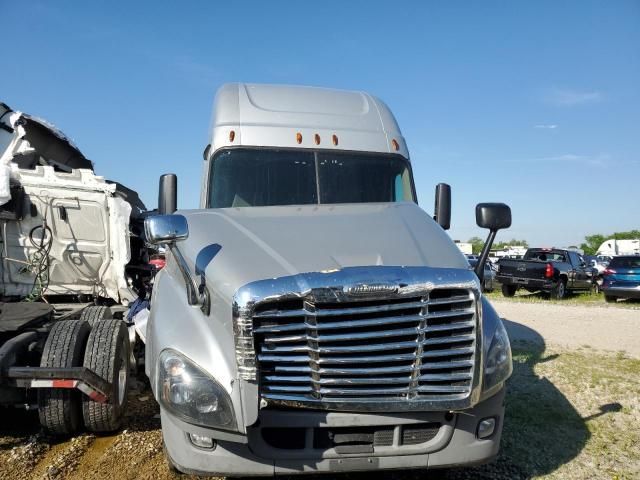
<point>257,177</point>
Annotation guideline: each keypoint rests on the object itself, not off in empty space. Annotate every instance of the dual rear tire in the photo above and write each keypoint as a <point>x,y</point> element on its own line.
<point>103,348</point>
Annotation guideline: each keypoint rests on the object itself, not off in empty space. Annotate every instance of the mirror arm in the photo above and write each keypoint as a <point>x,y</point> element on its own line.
<point>196,295</point>
<point>484,254</point>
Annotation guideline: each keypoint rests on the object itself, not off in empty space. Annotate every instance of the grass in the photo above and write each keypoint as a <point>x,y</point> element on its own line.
<point>577,298</point>
<point>570,415</point>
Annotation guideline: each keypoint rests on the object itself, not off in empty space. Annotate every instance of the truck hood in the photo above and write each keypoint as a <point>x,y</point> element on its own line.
<point>235,246</point>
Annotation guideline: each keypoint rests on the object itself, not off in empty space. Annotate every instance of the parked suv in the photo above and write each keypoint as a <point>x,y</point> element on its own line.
<point>622,278</point>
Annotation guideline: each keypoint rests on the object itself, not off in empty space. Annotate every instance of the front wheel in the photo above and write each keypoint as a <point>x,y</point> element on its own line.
<point>509,290</point>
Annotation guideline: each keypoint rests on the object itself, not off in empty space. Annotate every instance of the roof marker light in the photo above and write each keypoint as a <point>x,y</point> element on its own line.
<point>299,137</point>
<point>232,135</point>
<point>316,138</point>
<point>335,140</point>
<point>395,145</point>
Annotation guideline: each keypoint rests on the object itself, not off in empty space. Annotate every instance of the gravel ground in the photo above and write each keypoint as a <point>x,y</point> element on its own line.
<point>571,413</point>
<point>600,327</point>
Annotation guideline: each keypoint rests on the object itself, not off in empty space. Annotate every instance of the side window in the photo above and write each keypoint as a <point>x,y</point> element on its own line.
<point>399,191</point>
<point>574,259</point>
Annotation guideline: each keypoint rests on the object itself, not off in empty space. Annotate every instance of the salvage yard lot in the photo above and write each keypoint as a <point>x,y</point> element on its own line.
<point>573,412</point>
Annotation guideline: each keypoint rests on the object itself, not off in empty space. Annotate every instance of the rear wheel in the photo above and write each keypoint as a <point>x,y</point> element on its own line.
<point>60,409</point>
<point>94,313</point>
<point>107,354</point>
<point>610,299</point>
<point>509,290</point>
<point>560,290</point>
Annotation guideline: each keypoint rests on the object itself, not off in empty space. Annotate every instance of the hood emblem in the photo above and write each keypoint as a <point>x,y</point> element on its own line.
<point>522,267</point>
<point>364,289</point>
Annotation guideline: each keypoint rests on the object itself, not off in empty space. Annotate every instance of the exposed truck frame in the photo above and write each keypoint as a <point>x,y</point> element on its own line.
<point>311,317</point>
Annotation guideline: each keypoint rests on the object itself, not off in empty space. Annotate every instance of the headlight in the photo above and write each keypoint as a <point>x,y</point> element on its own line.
<point>497,366</point>
<point>192,395</point>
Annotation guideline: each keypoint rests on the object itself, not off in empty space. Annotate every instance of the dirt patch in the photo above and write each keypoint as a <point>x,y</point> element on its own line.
<point>573,326</point>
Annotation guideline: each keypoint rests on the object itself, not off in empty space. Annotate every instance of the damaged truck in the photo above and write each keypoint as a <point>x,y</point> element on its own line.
<point>72,258</point>
<point>311,317</point>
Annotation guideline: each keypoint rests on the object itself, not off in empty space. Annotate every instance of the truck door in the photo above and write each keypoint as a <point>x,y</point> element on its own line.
<point>584,270</point>
<point>579,275</point>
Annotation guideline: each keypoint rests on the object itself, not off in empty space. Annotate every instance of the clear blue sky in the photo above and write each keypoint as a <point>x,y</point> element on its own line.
<point>536,104</point>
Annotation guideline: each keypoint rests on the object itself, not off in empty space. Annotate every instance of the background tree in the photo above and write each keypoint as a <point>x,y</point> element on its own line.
<point>476,244</point>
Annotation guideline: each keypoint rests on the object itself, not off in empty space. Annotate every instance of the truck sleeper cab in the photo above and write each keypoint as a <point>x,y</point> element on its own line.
<point>311,317</point>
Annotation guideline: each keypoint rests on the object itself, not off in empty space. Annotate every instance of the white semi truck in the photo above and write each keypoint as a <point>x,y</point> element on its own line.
<point>311,317</point>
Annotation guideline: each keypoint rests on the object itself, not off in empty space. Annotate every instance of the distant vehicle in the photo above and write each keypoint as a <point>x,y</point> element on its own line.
<point>622,278</point>
<point>465,247</point>
<point>511,251</point>
<point>600,263</point>
<point>549,270</point>
<point>489,279</point>
<point>471,258</point>
<point>613,247</point>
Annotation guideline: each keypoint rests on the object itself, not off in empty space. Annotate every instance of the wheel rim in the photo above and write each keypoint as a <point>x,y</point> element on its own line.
<point>561,290</point>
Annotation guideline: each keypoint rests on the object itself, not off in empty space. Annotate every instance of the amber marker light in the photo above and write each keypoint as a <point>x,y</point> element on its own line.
<point>299,137</point>
<point>335,140</point>
<point>395,144</point>
<point>232,136</point>
<point>317,139</point>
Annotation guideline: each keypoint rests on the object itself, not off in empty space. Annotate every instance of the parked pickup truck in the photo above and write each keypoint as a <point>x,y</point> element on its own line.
<point>546,269</point>
<point>310,316</point>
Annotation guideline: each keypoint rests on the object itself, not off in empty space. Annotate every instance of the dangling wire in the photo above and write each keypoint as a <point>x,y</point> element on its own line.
<point>39,262</point>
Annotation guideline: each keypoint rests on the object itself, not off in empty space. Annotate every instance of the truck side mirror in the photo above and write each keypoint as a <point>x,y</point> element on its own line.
<point>168,194</point>
<point>166,229</point>
<point>494,216</point>
<point>442,208</point>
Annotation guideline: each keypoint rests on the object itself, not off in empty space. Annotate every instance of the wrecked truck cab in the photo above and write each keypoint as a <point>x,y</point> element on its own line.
<point>72,252</point>
<point>311,317</point>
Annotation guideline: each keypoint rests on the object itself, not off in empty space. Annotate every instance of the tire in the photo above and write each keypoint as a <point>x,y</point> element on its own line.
<point>560,290</point>
<point>94,313</point>
<point>597,285</point>
<point>60,409</point>
<point>509,290</point>
<point>488,287</point>
<point>107,354</point>
<point>610,299</point>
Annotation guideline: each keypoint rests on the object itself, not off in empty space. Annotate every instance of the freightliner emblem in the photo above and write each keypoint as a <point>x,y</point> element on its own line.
<point>363,289</point>
<point>522,267</point>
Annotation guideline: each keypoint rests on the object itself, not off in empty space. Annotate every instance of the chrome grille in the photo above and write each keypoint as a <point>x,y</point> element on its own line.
<point>405,348</point>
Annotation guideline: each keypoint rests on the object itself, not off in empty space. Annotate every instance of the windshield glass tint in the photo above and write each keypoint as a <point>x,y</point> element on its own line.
<point>544,256</point>
<point>358,178</point>
<point>625,262</point>
<point>254,177</point>
<point>257,178</point>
